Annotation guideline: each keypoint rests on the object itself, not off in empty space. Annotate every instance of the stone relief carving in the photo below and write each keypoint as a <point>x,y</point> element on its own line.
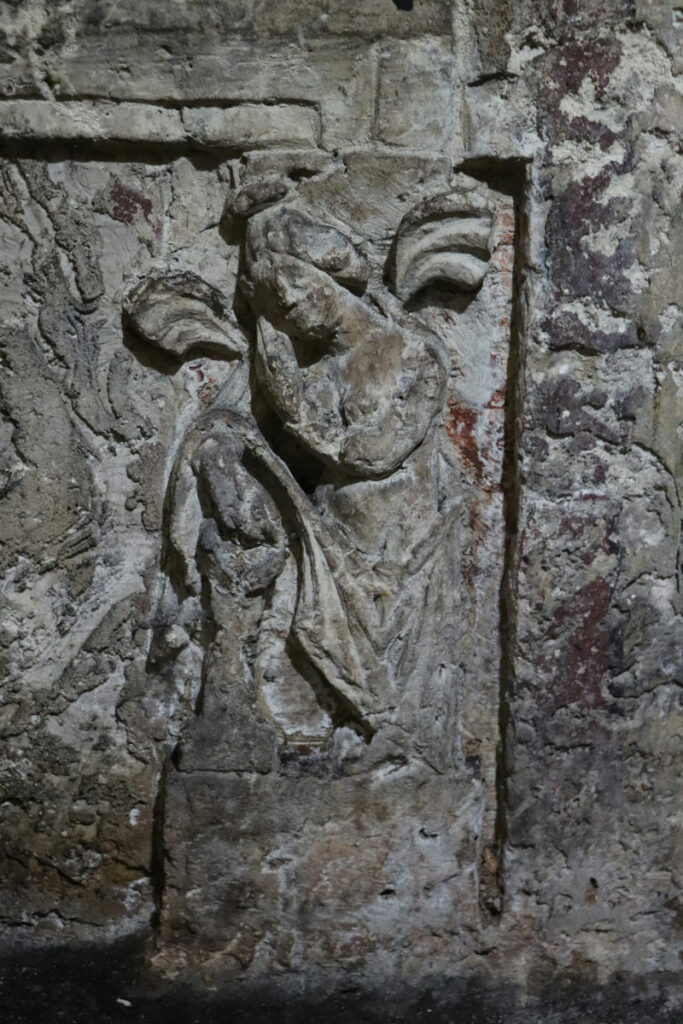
<point>337,639</point>
<point>287,526</point>
<point>319,513</point>
<point>303,415</point>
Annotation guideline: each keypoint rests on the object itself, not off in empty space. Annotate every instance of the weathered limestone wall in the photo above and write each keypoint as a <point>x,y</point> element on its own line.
<point>340,461</point>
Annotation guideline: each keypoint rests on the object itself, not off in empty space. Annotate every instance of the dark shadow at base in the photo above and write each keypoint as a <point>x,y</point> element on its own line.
<point>111,985</point>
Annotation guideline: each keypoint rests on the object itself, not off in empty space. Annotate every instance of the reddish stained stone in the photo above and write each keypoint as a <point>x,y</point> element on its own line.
<point>128,202</point>
<point>497,399</point>
<point>507,224</point>
<point>579,59</point>
<point>460,426</point>
<point>584,655</point>
<point>206,390</point>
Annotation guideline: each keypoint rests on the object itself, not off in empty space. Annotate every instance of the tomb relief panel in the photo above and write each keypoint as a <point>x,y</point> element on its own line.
<point>276,391</point>
<point>328,508</point>
<point>317,499</point>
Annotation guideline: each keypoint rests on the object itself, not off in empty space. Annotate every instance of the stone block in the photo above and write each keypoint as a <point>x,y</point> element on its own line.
<point>89,120</point>
<point>252,126</point>
<point>417,95</point>
<point>367,19</point>
<point>244,126</point>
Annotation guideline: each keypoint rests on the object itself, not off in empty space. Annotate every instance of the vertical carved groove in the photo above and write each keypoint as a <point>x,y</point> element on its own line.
<point>511,504</point>
<point>512,177</point>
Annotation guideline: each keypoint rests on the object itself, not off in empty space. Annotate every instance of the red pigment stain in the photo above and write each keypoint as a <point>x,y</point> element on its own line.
<point>206,391</point>
<point>497,399</point>
<point>460,425</point>
<point>206,383</point>
<point>506,227</point>
<point>584,654</point>
<point>474,521</point>
<point>128,202</point>
<point>504,257</point>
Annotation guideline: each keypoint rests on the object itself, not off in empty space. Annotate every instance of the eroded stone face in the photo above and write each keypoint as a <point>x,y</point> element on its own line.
<point>340,476</point>
<point>285,474</point>
<point>319,513</point>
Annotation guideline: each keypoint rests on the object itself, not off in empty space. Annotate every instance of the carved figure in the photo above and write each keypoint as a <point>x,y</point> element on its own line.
<point>292,559</point>
<point>321,620</point>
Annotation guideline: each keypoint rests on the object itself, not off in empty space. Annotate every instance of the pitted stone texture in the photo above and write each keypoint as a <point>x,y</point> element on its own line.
<point>158,604</point>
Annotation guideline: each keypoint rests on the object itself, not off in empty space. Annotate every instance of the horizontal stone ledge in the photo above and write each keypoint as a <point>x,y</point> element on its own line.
<point>253,125</point>
<point>244,126</point>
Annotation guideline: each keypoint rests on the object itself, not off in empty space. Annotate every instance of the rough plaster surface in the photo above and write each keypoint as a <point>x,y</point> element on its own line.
<point>340,454</point>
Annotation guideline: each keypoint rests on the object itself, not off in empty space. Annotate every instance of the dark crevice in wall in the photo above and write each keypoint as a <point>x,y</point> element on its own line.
<point>511,177</point>
<point>403,5</point>
<point>157,870</point>
<point>493,76</point>
<point>512,486</point>
<point>156,154</point>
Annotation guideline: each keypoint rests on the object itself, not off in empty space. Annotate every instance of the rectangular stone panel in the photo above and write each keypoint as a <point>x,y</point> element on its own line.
<point>379,702</point>
<point>340,633</point>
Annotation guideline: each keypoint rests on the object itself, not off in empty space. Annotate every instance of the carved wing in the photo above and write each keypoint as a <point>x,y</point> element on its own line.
<point>444,241</point>
<point>180,313</point>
